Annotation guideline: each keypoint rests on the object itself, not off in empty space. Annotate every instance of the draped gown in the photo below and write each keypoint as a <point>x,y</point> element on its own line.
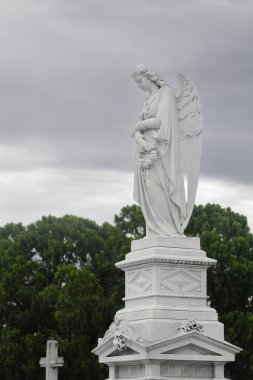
<point>158,181</point>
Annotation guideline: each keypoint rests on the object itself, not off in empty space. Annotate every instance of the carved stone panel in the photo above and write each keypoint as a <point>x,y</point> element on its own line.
<point>130,371</point>
<point>187,370</point>
<point>139,282</point>
<point>180,281</point>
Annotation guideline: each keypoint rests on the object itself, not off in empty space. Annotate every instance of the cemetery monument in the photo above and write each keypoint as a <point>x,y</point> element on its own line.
<point>167,330</point>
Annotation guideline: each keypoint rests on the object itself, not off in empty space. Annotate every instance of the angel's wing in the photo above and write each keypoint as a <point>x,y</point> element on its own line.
<point>190,126</point>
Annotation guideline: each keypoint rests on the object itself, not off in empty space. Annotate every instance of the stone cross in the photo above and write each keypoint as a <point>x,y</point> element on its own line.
<point>51,362</point>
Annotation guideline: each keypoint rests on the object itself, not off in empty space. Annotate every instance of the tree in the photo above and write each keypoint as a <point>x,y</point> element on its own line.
<point>58,280</point>
<point>131,221</point>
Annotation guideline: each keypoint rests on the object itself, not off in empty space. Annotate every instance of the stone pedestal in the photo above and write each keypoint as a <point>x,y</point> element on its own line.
<point>167,329</point>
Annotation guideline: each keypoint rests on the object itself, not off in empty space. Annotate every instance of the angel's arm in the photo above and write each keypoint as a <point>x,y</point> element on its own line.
<point>139,139</point>
<point>151,123</point>
<point>142,125</point>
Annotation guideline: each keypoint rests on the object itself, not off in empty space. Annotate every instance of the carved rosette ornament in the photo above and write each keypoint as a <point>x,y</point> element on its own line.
<point>119,342</point>
<point>119,330</point>
<point>188,326</point>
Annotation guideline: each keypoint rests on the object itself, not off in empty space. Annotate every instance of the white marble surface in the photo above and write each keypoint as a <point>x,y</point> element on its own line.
<point>158,182</point>
<point>52,362</point>
<point>166,241</point>
<point>167,329</point>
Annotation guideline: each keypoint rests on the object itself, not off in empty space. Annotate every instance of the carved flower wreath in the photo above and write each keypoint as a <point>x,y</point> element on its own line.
<point>146,159</point>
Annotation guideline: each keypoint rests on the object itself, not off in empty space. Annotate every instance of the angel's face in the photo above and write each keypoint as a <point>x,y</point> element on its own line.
<point>142,82</point>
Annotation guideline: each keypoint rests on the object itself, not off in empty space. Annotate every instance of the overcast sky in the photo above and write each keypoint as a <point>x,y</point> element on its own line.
<point>68,100</point>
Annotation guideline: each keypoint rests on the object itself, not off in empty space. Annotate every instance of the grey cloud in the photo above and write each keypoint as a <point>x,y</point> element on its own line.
<point>67,98</point>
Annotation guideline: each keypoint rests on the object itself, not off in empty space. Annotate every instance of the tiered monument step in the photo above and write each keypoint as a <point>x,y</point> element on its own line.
<point>167,329</point>
<point>165,285</point>
<point>166,241</point>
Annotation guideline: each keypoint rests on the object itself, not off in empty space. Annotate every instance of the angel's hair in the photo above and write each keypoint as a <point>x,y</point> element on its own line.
<point>150,73</point>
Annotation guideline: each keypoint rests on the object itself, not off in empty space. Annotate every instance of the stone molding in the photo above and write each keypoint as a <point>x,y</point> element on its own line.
<point>188,261</point>
<point>180,280</point>
<point>173,349</point>
<point>139,282</point>
<point>171,295</point>
<point>183,242</point>
<point>118,330</point>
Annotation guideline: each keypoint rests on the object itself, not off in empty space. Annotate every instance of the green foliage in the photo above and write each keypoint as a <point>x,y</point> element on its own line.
<point>131,221</point>
<point>225,236</point>
<point>58,280</point>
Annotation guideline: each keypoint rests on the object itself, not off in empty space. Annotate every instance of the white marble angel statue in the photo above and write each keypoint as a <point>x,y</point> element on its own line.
<point>165,119</point>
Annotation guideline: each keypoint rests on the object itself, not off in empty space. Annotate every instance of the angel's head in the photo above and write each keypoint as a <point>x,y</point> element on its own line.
<point>144,74</point>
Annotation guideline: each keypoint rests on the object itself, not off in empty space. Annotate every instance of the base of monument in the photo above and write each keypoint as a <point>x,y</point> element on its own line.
<point>188,355</point>
<point>179,241</point>
<point>169,378</point>
<point>172,378</point>
<point>168,371</point>
<point>167,330</point>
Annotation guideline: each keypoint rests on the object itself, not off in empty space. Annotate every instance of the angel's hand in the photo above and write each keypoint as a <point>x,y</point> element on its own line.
<point>139,126</point>
<point>147,115</point>
<point>142,145</point>
<point>153,153</point>
<point>138,136</point>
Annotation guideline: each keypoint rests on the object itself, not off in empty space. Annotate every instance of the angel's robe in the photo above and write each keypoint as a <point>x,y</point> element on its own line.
<point>159,186</point>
